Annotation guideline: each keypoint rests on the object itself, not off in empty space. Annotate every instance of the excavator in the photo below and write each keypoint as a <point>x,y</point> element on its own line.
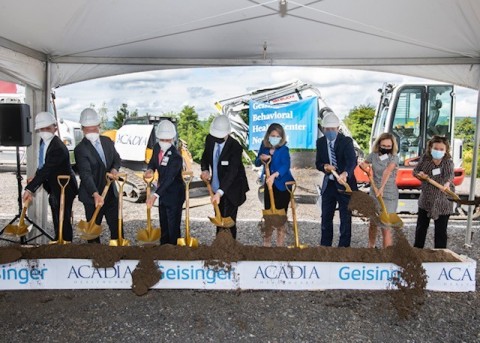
<point>134,142</point>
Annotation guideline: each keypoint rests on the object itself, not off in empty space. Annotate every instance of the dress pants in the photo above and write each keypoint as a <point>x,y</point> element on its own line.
<point>330,197</point>
<point>54,201</point>
<point>423,222</point>
<point>227,209</point>
<point>170,219</point>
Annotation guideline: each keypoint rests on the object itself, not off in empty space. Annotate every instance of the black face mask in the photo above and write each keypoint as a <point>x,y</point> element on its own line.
<point>384,151</point>
<point>218,140</point>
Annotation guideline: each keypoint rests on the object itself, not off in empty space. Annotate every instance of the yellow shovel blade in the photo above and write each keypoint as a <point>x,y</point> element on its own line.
<point>226,222</point>
<point>85,229</point>
<point>147,236</point>
<point>391,219</point>
<point>17,230</point>
<point>191,242</point>
<point>119,242</point>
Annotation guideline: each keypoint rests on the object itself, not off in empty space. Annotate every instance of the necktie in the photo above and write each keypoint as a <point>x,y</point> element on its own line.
<point>99,149</point>
<point>40,154</point>
<point>333,157</point>
<point>160,157</point>
<point>216,157</point>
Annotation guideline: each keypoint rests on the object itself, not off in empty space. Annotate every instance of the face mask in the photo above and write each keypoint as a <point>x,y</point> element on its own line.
<point>384,151</point>
<point>45,135</point>
<point>331,135</point>
<point>437,154</point>
<point>92,137</point>
<point>218,140</point>
<point>274,141</point>
<point>165,146</point>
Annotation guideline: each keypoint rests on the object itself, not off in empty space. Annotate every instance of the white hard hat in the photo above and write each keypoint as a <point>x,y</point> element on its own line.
<point>330,120</point>
<point>89,117</point>
<point>44,119</point>
<point>165,130</point>
<point>220,127</point>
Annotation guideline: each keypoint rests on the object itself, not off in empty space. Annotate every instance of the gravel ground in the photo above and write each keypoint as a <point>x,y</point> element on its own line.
<point>269,316</point>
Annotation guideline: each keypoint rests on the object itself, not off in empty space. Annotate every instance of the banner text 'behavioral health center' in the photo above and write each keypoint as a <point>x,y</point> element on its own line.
<point>299,120</point>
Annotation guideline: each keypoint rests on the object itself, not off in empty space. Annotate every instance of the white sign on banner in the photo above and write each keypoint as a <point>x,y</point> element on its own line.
<point>132,140</point>
<point>275,275</point>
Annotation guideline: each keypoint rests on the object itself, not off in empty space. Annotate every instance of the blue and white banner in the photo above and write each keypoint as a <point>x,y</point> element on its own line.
<point>299,120</point>
<point>275,275</point>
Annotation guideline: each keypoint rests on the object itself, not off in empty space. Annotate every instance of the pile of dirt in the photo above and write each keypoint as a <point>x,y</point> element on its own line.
<point>410,280</point>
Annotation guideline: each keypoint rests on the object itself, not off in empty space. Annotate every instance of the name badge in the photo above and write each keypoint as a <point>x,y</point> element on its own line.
<point>224,163</point>
<point>436,171</point>
<point>383,157</point>
<point>164,161</point>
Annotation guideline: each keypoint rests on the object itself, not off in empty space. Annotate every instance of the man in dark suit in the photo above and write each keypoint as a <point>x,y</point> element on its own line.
<point>335,152</point>
<point>95,156</point>
<point>54,160</point>
<point>168,162</point>
<point>223,156</point>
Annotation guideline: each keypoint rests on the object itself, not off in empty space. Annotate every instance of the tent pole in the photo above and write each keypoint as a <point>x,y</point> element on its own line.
<point>473,176</point>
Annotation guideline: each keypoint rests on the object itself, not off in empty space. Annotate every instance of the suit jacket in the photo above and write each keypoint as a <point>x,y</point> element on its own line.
<point>91,168</point>
<point>170,188</point>
<point>346,158</point>
<point>280,163</point>
<point>57,162</point>
<point>231,172</point>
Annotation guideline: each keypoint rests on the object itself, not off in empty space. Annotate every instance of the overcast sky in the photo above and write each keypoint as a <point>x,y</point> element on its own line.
<point>160,92</point>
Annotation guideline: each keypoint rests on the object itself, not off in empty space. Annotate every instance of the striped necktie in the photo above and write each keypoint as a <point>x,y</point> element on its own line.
<point>216,157</point>
<point>40,154</point>
<point>333,157</point>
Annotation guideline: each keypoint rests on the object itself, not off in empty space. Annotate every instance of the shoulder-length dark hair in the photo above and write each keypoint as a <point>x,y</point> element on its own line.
<point>274,127</point>
<point>438,139</point>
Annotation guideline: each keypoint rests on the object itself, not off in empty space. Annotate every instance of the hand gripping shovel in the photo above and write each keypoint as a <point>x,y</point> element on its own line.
<point>120,242</point>
<point>188,240</point>
<point>63,181</point>
<point>90,230</point>
<point>454,197</point>
<point>348,190</point>
<point>148,235</point>
<point>390,219</point>
<point>218,220</point>
<point>21,229</point>
<point>273,216</point>
<point>291,186</point>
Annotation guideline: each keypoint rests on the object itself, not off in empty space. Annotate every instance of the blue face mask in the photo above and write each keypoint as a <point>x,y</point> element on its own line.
<point>274,140</point>
<point>437,154</point>
<point>331,135</point>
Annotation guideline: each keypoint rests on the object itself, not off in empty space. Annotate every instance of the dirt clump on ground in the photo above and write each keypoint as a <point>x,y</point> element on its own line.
<point>145,275</point>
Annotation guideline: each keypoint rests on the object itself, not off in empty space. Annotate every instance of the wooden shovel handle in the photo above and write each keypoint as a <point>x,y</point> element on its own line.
<point>439,186</point>
<point>369,173</point>
<point>343,183</point>
<point>61,178</point>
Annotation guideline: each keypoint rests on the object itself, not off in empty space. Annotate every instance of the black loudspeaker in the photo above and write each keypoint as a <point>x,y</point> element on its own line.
<point>15,125</point>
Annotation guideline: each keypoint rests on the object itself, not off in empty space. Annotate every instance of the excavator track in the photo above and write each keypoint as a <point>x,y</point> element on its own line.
<point>135,189</point>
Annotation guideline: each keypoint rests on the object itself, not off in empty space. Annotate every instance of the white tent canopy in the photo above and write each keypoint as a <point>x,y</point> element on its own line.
<point>46,44</point>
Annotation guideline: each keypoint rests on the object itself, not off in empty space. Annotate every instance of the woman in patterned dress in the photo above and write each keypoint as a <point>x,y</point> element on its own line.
<point>433,203</point>
<point>384,163</point>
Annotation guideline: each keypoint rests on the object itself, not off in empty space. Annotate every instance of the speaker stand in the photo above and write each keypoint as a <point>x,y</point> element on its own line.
<point>42,232</point>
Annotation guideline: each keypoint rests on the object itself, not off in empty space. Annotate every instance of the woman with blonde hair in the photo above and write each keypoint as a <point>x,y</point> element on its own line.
<point>383,161</point>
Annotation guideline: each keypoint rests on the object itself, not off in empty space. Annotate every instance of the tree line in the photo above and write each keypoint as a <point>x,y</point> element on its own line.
<point>359,121</point>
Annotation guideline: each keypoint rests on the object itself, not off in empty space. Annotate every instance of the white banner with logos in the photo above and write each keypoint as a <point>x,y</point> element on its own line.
<point>275,275</point>
<point>132,140</point>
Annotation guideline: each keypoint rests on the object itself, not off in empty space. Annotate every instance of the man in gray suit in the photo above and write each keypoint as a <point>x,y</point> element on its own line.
<point>95,156</point>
